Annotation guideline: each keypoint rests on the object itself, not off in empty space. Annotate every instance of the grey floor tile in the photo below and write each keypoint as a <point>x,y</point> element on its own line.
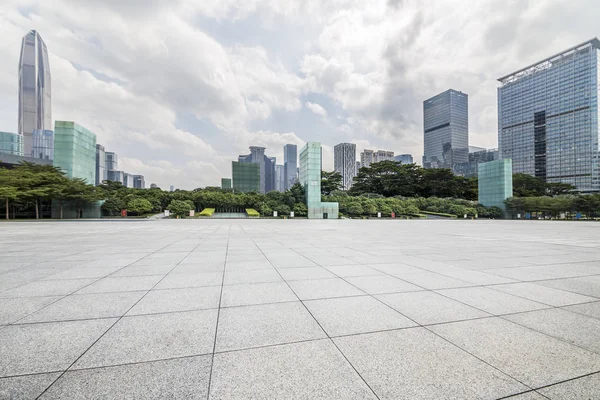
<point>170,300</point>
<point>182,378</point>
<point>396,269</point>
<point>379,284</point>
<point>304,371</point>
<point>267,324</point>
<point>248,265</point>
<point>531,357</point>
<point>25,387</point>
<point>86,306</point>
<point>352,270</point>
<point>574,328</point>
<point>142,270</point>
<point>543,294</point>
<point>586,388</point>
<point>531,395</point>
<point>351,315</point>
<point>198,268</point>
<point>122,284</point>
<point>175,281</point>
<point>431,280</point>
<point>256,293</point>
<point>304,273</point>
<point>48,288</point>
<point>12,309</point>
<point>291,262</point>
<point>589,309</point>
<point>83,273</point>
<point>492,301</point>
<point>324,288</point>
<point>395,364</point>
<point>427,307</point>
<point>589,285</point>
<point>49,347</point>
<point>251,276</point>
<point>153,337</point>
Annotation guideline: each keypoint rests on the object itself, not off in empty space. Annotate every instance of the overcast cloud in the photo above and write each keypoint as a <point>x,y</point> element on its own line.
<point>179,88</point>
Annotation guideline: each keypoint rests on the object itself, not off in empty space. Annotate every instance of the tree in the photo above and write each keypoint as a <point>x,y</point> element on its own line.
<point>139,206</point>
<point>38,182</point>
<point>179,208</point>
<point>330,182</point>
<point>8,187</point>
<point>525,185</point>
<point>298,193</point>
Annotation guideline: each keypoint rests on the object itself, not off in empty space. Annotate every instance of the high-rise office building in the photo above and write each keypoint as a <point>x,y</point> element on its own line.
<point>42,144</point>
<point>100,164</point>
<point>366,158</point>
<point>548,118</point>
<point>383,155</point>
<point>35,95</point>
<point>115,176</point>
<point>75,151</point>
<point>290,165</point>
<point>245,176</point>
<point>225,183</point>
<point>480,155</point>
<point>357,168</point>
<point>171,188</point>
<point>344,162</point>
<point>11,143</point>
<point>139,182</point>
<point>446,129</point>
<point>310,179</point>
<point>112,161</point>
<point>404,158</point>
<point>280,178</point>
<point>266,166</point>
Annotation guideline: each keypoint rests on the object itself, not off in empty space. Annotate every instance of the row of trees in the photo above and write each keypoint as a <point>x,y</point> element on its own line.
<point>589,205</point>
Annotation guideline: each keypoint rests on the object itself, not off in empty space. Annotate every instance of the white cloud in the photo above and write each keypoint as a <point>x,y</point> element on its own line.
<point>316,108</point>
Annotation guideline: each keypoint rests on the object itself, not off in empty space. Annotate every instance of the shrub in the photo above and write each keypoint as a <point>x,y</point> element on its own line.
<point>139,206</point>
<point>438,214</point>
<point>180,208</point>
<point>207,212</point>
<point>252,212</point>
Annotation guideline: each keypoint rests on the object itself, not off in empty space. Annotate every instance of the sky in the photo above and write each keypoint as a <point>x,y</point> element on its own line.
<point>179,88</point>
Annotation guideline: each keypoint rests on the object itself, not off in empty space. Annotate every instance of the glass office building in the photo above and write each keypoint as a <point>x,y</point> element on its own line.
<point>310,179</point>
<point>112,161</point>
<point>404,158</point>
<point>245,176</point>
<point>225,183</point>
<point>344,162</point>
<point>75,150</point>
<point>548,118</point>
<point>11,143</point>
<point>100,164</point>
<point>35,96</point>
<point>495,183</point>
<point>446,129</point>
<point>266,167</point>
<point>139,182</point>
<point>42,144</point>
<point>290,165</point>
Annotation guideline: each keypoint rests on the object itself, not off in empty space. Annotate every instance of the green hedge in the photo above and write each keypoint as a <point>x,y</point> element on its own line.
<point>207,212</point>
<point>438,214</point>
<point>252,212</point>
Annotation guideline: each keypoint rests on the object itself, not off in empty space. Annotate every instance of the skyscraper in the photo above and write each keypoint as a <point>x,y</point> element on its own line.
<point>112,161</point>
<point>404,158</point>
<point>383,155</point>
<point>290,165</point>
<point>548,118</point>
<point>75,151</point>
<point>100,164</point>
<point>279,178</point>
<point>344,162</point>
<point>366,158</point>
<point>446,129</point>
<point>310,179</point>
<point>35,105</point>
<point>42,144</point>
<point>266,167</point>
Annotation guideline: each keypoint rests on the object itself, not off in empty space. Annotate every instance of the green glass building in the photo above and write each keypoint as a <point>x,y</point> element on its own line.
<point>75,150</point>
<point>225,183</point>
<point>11,143</point>
<point>495,183</point>
<point>245,176</point>
<point>310,179</point>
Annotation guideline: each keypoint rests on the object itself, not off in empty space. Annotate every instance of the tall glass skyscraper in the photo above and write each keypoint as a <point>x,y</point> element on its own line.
<point>11,143</point>
<point>100,164</point>
<point>344,162</point>
<point>446,129</point>
<point>290,165</point>
<point>75,151</point>
<point>548,118</point>
<point>35,105</point>
<point>310,178</point>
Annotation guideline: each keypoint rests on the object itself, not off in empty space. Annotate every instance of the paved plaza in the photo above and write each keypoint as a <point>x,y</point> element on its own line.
<point>298,309</point>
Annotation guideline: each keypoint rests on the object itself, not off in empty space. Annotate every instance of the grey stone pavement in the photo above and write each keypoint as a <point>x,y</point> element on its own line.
<point>281,309</point>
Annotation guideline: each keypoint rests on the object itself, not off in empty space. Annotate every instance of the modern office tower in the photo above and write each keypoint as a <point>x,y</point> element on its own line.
<point>42,146</point>
<point>171,188</point>
<point>139,182</point>
<point>245,176</point>
<point>11,143</point>
<point>446,127</point>
<point>266,165</point>
<point>357,168</point>
<point>112,161</point>
<point>290,165</point>
<point>310,179</point>
<point>344,162</point>
<point>475,149</point>
<point>35,96</point>
<point>225,183</point>
<point>383,155</point>
<point>100,164</point>
<point>280,178</point>
<point>495,183</point>
<point>115,176</point>
<point>404,158</point>
<point>366,158</point>
<point>129,180</point>
<point>548,118</point>
<point>470,168</point>
<point>75,150</point>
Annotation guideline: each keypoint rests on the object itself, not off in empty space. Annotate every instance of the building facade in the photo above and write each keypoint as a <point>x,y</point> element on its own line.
<point>42,145</point>
<point>280,180</point>
<point>11,143</point>
<point>290,165</point>
<point>344,162</point>
<point>310,179</point>
<point>383,155</point>
<point>366,158</point>
<point>495,183</point>
<point>139,182</point>
<point>115,176</point>
<point>225,183</point>
<point>404,158</point>
<point>548,118</point>
<point>446,129</point>
<point>35,94</point>
<point>112,161</point>
<point>245,176</point>
<point>75,150</point>
<point>100,164</point>
<point>266,167</point>
<point>480,155</point>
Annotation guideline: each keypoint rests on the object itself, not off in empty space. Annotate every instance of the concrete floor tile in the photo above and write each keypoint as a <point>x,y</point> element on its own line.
<point>153,337</point>
<point>47,288</point>
<point>379,284</point>
<point>543,294</point>
<point>13,309</point>
<point>122,284</point>
<point>27,386</point>
<point>588,286</point>
<point>251,276</point>
<point>587,388</point>
<point>304,273</point>
<point>304,371</point>
<point>267,324</point>
<point>492,301</point>
<point>324,288</point>
<point>352,270</point>
<point>143,270</point>
<point>170,300</point>
<point>431,280</point>
<point>589,309</point>
<point>256,293</point>
<point>175,281</point>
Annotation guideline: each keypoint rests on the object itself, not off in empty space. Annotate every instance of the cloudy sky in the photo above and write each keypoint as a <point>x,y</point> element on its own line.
<point>179,88</point>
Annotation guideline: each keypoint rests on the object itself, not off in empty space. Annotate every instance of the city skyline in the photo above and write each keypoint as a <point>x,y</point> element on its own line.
<point>277,99</point>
